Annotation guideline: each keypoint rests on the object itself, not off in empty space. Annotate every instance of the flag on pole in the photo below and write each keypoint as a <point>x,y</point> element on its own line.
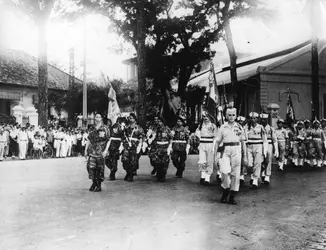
<point>113,107</point>
<point>213,95</point>
<point>290,116</point>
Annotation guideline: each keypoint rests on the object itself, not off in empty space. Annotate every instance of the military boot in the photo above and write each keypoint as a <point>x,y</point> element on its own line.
<point>131,177</point>
<point>112,175</point>
<point>224,198</point>
<point>92,188</point>
<point>231,199</point>
<point>127,176</point>
<point>98,186</point>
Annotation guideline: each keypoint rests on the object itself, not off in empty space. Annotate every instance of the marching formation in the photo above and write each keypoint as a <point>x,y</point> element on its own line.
<point>238,148</point>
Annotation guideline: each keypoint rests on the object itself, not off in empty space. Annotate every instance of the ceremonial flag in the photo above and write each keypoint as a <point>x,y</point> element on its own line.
<point>113,107</point>
<point>213,95</point>
<point>290,116</point>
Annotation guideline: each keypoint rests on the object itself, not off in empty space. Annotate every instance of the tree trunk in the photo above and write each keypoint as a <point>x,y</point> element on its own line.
<point>141,56</point>
<point>233,59</point>
<point>42,76</point>
<point>185,74</point>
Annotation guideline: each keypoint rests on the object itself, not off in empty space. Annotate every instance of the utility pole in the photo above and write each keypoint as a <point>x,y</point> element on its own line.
<point>84,73</point>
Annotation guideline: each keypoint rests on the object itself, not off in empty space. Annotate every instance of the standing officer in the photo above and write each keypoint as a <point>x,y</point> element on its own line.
<point>232,135</point>
<point>22,140</point>
<point>272,143</point>
<point>257,147</point>
<point>206,132</point>
<point>180,147</point>
<point>114,148</point>
<point>308,142</point>
<point>282,141</point>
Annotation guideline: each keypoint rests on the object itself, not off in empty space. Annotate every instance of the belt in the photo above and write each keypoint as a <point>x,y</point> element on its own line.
<point>281,140</point>
<point>22,140</point>
<point>177,141</point>
<point>231,144</point>
<point>203,139</point>
<point>317,139</point>
<point>133,139</point>
<point>309,138</point>
<point>115,139</point>
<point>162,142</point>
<point>207,137</point>
<point>254,142</point>
<point>269,141</point>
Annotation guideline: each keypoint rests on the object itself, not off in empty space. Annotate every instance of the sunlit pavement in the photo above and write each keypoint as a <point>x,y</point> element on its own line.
<point>45,204</point>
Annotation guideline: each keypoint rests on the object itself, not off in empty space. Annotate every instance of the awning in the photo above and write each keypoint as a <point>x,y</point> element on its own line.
<point>223,77</point>
<point>16,96</point>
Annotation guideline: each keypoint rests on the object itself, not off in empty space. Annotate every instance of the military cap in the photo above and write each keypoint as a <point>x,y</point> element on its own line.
<point>253,115</point>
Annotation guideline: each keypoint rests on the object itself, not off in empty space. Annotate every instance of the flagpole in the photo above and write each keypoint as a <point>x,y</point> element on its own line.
<point>84,73</point>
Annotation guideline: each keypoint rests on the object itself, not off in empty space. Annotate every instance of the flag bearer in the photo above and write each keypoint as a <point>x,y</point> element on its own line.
<point>232,136</point>
<point>257,147</point>
<point>206,132</point>
<point>299,149</point>
<point>242,121</point>
<point>318,140</point>
<point>115,148</point>
<point>282,141</point>
<point>272,144</point>
<point>133,141</point>
<point>180,147</point>
<point>22,140</point>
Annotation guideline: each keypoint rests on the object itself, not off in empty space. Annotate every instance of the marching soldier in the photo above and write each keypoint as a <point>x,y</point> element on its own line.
<point>323,126</point>
<point>150,138</point>
<point>242,121</point>
<point>318,140</point>
<point>162,148</point>
<point>133,141</point>
<point>308,142</point>
<point>299,149</point>
<point>180,147</point>
<point>256,148</point>
<point>232,135</point>
<point>206,132</point>
<point>114,148</point>
<point>282,141</point>
<point>96,151</point>
<point>289,145</point>
<point>272,143</point>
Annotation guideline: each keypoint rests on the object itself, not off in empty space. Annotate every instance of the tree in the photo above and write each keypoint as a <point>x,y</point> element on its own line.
<point>39,11</point>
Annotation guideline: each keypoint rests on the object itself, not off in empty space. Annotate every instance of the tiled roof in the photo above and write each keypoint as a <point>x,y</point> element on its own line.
<point>20,68</point>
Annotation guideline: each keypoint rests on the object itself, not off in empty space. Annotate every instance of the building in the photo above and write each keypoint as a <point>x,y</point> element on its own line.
<point>19,81</point>
<point>269,79</point>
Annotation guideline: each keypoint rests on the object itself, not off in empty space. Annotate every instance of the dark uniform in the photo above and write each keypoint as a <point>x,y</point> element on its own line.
<point>151,133</point>
<point>133,137</point>
<point>111,161</point>
<point>159,154</point>
<point>179,146</point>
<point>98,139</point>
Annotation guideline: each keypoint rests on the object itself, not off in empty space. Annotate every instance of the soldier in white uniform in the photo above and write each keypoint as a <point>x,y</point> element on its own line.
<point>257,146</point>
<point>206,132</point>
<point>272,144</point>
<point>232,136</point>
<point>3,142</point>
<point>242,121</point>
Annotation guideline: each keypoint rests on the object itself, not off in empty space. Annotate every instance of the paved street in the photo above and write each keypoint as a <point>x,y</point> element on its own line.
<point>45,204</point>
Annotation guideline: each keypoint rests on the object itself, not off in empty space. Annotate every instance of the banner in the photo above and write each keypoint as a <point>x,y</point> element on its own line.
<point>290,116</point>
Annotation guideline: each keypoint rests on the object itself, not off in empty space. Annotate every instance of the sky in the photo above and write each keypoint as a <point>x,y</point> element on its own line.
<point>288,28</point>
